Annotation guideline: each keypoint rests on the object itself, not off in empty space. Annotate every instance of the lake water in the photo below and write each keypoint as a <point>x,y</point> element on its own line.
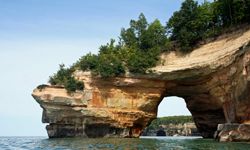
<point>144,143</point>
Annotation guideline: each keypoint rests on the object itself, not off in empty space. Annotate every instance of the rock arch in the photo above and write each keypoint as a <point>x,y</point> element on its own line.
<point>213,80</point>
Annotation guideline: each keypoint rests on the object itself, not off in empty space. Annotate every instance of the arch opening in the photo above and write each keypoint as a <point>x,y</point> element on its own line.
<point>173,119</point>
<point>172,106</point>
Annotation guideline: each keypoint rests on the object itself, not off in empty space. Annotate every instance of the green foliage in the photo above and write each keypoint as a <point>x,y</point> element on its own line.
<point>194,22</point>
<point>133,36</point>
<point>140,45</point>
<point>190,24</point>
<point>170,120</point>
<point>205,21</point>
<point>109,64</point>
<point>180,24</point>
<point>139,62</point>
<point>64,77</point>
<point>154,36</point>
<point>143,42</point>
<point>143,36</point>
<point>137,50</point>
<point>106,64</point>
<point>232,12</point>
<point>87,62</point>
<point>71,85</point>
<point>61,76</point>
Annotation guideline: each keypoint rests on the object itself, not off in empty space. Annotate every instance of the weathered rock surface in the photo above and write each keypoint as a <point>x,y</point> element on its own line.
<point>186,129</point>
<point>233,132</point>
<point>213,80</point>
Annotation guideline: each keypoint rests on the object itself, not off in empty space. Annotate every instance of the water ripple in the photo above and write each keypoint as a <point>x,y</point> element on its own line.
<point>145,143</point>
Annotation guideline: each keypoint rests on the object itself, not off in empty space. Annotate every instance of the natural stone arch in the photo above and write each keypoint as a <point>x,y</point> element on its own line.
<point>213,80</point>
<point>206,114</point>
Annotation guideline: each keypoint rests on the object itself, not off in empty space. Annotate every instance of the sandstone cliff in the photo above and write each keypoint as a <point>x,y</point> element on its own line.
<point>213,80</point>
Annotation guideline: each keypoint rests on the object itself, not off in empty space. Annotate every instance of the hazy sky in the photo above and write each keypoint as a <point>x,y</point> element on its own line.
<point>37,35</point>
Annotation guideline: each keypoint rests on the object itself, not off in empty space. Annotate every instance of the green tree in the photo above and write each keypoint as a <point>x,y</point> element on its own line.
<point>239,9</point>
<point>205,22</point>
<point>109,62</point>
<point>142,44</point>
<point>87,62</point>
<point>61,76</point>
<point>132,37</point>
<point>139,62</point>
<point>193,23</point>
<point>64,77</point>
<point>71,85</point>
<point>139,26</point>
<point>224,8</point>
<point>154,36</point>
<point>247,2</point>
<point>232,12</point>
<point>181,24</point>
<point>128,37</point>
<point>110,66</point>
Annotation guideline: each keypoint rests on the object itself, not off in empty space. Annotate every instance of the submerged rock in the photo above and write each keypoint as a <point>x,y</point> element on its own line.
<point>213,80</point>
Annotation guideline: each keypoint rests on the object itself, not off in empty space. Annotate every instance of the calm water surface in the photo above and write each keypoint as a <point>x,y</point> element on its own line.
<point>144,143</point>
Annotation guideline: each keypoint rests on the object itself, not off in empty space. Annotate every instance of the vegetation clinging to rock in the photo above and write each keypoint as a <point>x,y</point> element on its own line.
<point>137,50</point>
<point>194,22</point>
<point>140,45</point>
<point>65,78</point>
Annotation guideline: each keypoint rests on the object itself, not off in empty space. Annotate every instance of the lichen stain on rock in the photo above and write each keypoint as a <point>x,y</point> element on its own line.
<point>213,80</point>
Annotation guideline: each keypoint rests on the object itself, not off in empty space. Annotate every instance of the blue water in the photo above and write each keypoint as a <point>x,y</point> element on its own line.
<point>144,143</point>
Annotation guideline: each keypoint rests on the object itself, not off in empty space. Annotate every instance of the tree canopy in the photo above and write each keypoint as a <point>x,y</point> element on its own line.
<point>194,22</point>
<point>140,45</point>
<point>175,120</point>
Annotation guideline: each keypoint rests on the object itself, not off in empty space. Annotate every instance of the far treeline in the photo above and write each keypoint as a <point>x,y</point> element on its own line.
<point>174,120</point>
<point>140,45</point>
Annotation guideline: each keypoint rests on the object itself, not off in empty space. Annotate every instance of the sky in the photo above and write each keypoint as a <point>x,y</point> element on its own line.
<point>38,35</point>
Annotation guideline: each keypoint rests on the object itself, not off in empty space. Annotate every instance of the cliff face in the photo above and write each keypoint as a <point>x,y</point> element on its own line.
<point>213,80</point>
<point>186,129</point>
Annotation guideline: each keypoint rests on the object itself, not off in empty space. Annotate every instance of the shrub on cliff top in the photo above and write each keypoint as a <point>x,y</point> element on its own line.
<point>140,45</point>
<point>137,50</point>
<point>196,22</point>
<point>64,78</point>
<point>88,62</point>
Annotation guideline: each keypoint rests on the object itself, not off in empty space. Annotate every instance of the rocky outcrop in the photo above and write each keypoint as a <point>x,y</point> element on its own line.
<point>213,80</point>
<point>186,129</point>
<point>233,132</point>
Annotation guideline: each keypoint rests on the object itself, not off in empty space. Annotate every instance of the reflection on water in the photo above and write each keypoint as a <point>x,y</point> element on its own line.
<point>144,143</point>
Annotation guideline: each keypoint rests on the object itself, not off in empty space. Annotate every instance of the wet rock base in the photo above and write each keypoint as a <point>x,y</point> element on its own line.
<point>89,131</point>
<point>233,132</point>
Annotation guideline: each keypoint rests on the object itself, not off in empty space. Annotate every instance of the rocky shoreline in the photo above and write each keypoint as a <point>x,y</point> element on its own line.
<point>186,129</point>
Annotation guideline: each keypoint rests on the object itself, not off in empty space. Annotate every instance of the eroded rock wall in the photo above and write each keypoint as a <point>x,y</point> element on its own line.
<point>213,80</point>
<point>112,107</point>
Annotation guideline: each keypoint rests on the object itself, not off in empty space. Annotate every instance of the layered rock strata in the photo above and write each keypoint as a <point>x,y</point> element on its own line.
<point>213,80</point>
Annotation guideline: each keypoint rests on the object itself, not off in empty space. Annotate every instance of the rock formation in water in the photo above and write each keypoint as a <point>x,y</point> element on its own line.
<point>186,129</point>
<point>213,80</point>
